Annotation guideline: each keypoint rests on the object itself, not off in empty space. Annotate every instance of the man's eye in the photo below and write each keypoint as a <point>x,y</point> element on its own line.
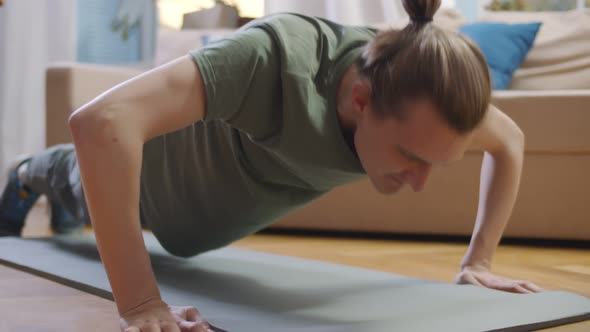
<point>411,157</point>
<point>408,156</point>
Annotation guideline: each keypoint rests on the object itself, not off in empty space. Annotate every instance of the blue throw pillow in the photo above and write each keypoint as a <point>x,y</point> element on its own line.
<point>504,46</point>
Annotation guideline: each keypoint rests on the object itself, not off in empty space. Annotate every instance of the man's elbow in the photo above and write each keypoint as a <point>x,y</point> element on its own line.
<point>90,123</point>
<point>519,140</point>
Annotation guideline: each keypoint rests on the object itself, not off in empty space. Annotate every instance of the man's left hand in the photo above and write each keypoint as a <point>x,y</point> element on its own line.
<point>484,278</point>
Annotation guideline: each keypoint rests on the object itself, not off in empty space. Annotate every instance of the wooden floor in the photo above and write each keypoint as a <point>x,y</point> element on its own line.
<point>565,269</point>
<point>28,303</point>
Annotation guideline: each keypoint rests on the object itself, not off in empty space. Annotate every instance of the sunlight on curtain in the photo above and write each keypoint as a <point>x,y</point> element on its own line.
<point>171,11</point>
<point>33,34</point>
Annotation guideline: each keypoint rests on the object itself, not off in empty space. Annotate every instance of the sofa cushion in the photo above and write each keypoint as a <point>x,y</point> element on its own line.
<point>503,45</point>
<point>560,57</point>
<point>446,18</point>
<point>553,121</point>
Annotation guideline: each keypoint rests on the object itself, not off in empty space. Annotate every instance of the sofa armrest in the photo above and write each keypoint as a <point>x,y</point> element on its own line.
<point>554,121</point>
<point>69,86</point>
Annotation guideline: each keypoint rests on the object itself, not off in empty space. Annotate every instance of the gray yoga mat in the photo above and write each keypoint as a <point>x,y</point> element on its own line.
<point>247,291</point>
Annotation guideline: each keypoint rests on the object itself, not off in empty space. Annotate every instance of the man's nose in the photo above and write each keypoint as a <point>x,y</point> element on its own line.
<point>419,176</point>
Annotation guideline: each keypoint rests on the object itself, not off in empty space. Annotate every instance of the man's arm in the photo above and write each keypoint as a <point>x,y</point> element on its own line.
<point>109,133</point>
<point>503,143</point>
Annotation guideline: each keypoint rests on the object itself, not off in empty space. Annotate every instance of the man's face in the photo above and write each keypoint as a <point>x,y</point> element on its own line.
<point>395,151</point>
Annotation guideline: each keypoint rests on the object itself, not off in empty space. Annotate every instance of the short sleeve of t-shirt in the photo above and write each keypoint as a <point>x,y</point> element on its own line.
<point>239,72</point>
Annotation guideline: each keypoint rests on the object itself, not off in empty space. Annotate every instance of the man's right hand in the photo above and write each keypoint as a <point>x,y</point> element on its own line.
<point>109,133</point>
<point>157,316</point>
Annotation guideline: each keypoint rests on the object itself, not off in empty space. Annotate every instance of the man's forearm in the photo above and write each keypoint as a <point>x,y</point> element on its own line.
<point>109,158</point>
<point>499,183</point>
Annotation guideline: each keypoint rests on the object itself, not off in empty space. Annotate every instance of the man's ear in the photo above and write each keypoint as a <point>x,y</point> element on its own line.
<point>361,96</point>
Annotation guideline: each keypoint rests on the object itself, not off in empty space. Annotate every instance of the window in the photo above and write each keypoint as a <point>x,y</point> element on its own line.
<point>171,11</point>
<point>97,42</point>
<point>536,5</point>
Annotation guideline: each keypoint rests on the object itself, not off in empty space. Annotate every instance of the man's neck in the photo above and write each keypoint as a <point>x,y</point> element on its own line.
<point>344,106</point>
<point>344,99</point>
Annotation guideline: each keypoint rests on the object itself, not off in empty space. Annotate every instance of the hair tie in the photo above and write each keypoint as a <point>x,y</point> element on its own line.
<point>422,19</point>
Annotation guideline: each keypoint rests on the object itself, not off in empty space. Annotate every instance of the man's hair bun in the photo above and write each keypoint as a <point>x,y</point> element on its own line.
<point>421,11</point>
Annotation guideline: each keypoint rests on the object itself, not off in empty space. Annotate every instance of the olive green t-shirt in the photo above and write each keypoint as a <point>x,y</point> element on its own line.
<point>271,139</point>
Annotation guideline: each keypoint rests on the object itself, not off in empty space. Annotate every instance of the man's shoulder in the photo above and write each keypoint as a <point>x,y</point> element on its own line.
<point>288,25</point>
<point>303,34</point>
<point>286,19</point>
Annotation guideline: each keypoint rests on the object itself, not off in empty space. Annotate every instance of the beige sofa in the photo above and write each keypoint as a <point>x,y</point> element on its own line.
<point>549,99</point>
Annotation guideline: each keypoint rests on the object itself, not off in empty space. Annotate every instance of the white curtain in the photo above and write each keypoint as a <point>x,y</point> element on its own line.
<point>33,33</point>
<point>352,12</point>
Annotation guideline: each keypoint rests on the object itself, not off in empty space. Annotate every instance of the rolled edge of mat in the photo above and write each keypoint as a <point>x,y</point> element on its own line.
<point>63,281</point>
<point>546,324</point>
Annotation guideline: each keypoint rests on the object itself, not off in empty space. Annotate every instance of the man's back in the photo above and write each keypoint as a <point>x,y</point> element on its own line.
<point>271,140</point>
